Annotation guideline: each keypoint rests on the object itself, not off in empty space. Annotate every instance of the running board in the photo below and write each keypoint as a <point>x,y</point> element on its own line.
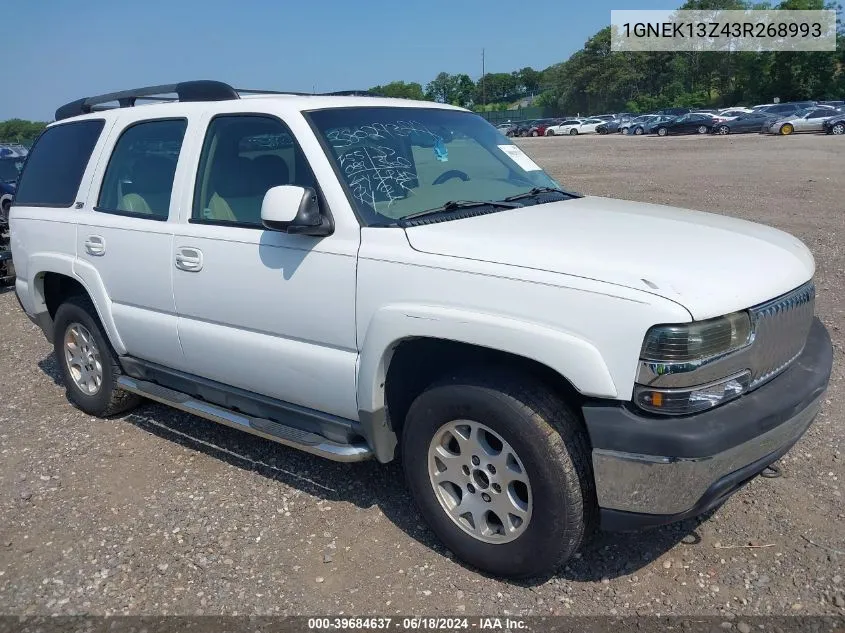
<point>268,429</point>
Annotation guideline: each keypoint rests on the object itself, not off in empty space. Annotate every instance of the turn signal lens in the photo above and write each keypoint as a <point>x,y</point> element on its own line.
<point>685,401</point>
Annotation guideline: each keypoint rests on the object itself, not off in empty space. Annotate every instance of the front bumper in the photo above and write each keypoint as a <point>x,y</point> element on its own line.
<point>656,470</point>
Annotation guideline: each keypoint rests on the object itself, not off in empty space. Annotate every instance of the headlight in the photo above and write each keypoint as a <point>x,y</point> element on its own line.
<point>680,351</point>
<point>698,340</point>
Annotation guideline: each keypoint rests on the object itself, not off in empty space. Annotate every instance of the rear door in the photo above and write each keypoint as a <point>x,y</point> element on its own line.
<point>125,234</point>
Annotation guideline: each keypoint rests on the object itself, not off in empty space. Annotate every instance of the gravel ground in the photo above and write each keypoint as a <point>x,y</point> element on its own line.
<point>157,512</point>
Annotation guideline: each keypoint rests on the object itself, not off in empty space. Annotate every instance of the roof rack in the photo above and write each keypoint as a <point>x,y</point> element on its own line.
<point>201,90</point>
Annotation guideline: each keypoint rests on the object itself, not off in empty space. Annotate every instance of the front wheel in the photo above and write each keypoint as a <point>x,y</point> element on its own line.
<point>723,129</point>
<point>534,133</point>
<point>703,129</point>
<point>550,132</point>
<point>786,129</point>
<point>573,132</point>
<point>638,131</point>
<point>500,469</point>
<point>838,128</point>
<point>662,131</point>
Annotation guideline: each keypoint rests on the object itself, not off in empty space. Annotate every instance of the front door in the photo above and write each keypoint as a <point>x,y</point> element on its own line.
<point>262,310</point>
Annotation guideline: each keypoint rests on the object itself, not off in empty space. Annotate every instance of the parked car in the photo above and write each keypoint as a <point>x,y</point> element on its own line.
<point>687,124</point>
<point>11,162</point>
<point>782,109</point>
<point>835,125</point>
<point>564,127</point>
<point>832,104</point>
<point>808,120</point>
<point>538,369</point>
<point>539,128</point>
<point>612,126</point>
<point>653,124</point>
<point>743,124</point>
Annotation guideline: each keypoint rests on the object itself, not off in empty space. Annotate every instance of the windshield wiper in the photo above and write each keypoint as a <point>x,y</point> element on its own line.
<point>454,205</point>
<point>537,191</point>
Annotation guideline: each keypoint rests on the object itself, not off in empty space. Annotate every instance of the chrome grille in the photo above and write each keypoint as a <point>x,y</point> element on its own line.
<point>780,327</point>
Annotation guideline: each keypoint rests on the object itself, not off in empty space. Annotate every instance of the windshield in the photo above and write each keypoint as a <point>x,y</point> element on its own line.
<point>396,162</point>
<point>10,168</point>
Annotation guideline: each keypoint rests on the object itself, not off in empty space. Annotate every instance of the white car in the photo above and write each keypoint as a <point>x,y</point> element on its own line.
<point>732,113</point>
<point>574,127</point>
<point>347,275</point>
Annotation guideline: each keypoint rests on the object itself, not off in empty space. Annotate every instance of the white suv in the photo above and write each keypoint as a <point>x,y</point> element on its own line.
<point>361,277</point>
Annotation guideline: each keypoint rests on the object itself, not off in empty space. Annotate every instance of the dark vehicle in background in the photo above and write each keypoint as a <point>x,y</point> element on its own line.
<point>651,126</point>
<point>835,125</point>
<point>637,125</point>
<point>687,124</point>
<point>784,109</point>
<point>745,123</point>
<point>9,170</point>
<point>611,127</point>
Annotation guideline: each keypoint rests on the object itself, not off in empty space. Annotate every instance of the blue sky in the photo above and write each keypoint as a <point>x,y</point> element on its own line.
<point>55,51</point>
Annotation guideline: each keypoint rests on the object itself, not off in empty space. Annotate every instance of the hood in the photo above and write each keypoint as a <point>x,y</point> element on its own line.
<point>709,263</point>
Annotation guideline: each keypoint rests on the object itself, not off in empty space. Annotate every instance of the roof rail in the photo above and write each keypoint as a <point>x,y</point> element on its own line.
<point>201,90</point>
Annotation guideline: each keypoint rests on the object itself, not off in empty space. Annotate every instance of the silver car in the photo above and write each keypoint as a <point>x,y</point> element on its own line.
<point>808,120</point>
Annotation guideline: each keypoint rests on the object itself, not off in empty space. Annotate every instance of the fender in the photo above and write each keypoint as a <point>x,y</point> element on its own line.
<point>85,274</point>
<point>572,357</point>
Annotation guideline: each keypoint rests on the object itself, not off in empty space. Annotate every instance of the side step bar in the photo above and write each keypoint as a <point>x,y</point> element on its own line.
<point>268,429</point>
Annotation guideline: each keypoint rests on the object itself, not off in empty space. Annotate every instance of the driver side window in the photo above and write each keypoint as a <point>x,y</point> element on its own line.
<point>242,158</point>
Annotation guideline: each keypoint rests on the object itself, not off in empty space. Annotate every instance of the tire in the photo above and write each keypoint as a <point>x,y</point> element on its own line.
<point>573,132</point>
<point>703,129</point>
<point>534,133</point>
<point>547,439</point>
<point>662,131</point>
<point>723,130</point>
<point>550,132</point>
<point>5,207</point>
<point>638,131</point>
<point>838,128</point>
<point>786,129</point>
<point>107,399</point>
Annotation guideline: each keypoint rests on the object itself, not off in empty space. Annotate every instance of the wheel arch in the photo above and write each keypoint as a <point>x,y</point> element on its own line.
<point>52,283</point>
<point>407,347</point>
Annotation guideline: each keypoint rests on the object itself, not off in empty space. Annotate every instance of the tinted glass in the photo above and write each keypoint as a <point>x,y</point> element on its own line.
<point>243,157</point>
<point>139,178</point>
<point>10,168</point>
<point>400,161</point>
<point>55,165</point>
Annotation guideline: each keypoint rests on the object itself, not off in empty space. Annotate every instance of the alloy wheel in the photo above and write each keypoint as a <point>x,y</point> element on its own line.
<point>480,481</point>
<point>83,359</point>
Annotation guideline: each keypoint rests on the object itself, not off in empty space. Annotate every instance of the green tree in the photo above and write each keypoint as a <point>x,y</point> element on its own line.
<point>20,131</point>
<point>400,90</point>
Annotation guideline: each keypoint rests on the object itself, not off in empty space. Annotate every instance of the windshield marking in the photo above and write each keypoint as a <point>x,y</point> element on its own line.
<point>345,137</point>
<point>392,174</point>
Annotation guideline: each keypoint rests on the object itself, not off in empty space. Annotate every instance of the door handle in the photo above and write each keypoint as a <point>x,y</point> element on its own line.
<point>189,259</point>
<point>95,245</point>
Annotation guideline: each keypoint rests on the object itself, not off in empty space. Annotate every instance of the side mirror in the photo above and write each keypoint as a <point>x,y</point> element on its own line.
<point>294,210</point>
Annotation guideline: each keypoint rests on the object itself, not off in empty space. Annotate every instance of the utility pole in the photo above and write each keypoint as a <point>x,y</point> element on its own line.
<point>483,87</point>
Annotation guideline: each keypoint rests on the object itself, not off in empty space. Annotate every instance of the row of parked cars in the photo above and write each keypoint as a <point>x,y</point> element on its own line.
<point>771,118</point>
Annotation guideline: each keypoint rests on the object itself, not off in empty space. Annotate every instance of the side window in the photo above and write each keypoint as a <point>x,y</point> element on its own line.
<point>54,167</point>
<point>139,178</point>
<point>242,157</point>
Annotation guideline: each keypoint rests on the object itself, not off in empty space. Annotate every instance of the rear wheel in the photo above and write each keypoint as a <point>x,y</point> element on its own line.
<point>723,129</point>
<point>838,128</point>
<point>500,469</point>
<point>534,133</point>
<point>703,129</point>
<point>786,129</point>
<point>550,132</point>
<point>88,364</point>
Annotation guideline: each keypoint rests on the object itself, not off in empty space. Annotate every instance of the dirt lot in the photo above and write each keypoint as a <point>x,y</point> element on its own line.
<point>159,512</point>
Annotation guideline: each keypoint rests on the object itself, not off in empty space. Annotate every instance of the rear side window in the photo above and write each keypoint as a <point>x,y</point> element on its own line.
<point>53,170</point>
<point>139,178</point>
